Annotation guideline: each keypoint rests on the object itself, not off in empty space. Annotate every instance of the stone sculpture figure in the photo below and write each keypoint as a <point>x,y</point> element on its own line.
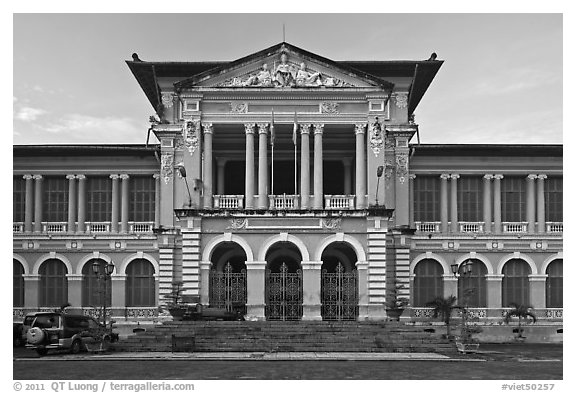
<point>263,78</point>
<point>284,73</point>
<point>305,78</point>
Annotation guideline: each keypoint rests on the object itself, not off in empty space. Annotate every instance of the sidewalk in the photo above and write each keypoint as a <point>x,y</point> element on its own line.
<point>250,356</point>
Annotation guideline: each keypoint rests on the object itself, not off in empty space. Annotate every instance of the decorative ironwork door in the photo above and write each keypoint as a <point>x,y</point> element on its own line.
<point>339,295</point>
<point>228,289</point>
<point>284,295</point>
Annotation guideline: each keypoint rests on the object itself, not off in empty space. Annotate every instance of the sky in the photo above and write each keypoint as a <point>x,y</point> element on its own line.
<point>501,81</point>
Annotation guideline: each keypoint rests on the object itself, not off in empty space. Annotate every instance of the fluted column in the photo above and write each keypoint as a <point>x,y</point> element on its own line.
<point>360,130</point>
<point>38,203</point>
<point>487,205</point>
<point>81,203</point>
<point>249,178</point>
<point>71,203</point>
<point>318,168</point>
<point>530,203</point>
<point>305,166</point>
<point>208,175</point>
<point>156,177</point>
<point>263,165</point>
<point>125,202</point>
<point>454,203</point>
<point>444,202</point>
<point>115,201</point>
<point>541,205</point>
<point>29,203</point>
<point>498,203</point>
<point>411,178</point>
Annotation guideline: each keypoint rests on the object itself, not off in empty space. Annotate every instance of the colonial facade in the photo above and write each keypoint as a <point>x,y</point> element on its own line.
<point>292,187</point>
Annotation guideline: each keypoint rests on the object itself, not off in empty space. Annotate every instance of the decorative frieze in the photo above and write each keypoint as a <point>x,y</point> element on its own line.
<point>238,223</point>
<point>167,167</point>
<point>401,166</point>
<point>238,107</point>
<point>331,223</point>
<point>401,100</point>
<point>329,107</point>
<point>191,130</point>
<point>376,138</point>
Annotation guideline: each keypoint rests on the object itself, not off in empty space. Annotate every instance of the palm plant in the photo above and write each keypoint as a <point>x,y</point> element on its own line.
<point>522,312</point>
<point>443,307</point>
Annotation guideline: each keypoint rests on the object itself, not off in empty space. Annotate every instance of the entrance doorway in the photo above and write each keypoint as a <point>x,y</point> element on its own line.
<point>339,283</point>
<point>228,278</point>
<point>283,283</point>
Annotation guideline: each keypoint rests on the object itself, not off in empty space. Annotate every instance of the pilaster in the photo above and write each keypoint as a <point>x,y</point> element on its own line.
<point>537,290</point>
<point>118,290</point>
<point>255,280</point>
<point>311,283</point>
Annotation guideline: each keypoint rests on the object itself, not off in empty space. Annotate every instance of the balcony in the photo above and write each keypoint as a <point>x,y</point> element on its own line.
<point>471,227</point>
<point>514,227</point>
<point>91,227</point>
<point>54,227</point>
<point>98,227</point>
<point>339,202</point>
<point>428,226</point>
<point>17,227</point>
<point>284,202</point>
<point>554,227</point>
<point>228,201</point>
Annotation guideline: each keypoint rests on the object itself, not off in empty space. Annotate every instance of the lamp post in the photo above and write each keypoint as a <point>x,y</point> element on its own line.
<point>379,172</point>
<point>103,275</point>
<point>182,171</point>
<point>466,273</point>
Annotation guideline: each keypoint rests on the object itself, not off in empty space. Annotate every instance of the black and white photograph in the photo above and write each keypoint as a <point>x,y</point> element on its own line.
<point>205,198</point>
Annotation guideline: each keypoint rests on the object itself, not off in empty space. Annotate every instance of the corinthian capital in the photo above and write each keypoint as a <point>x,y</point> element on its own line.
<point>305,128</point>
<point>208,128</point>
<point>488,177</point>
<point>498,177</point>
<point>542,177</point>
<point>70,177</point>
<point>37,177</point>
<point>454,176</point>
<point>263,128</point>
<point>81,177</point>
<point>124,176</point>
<point>318,128</point>
<point>360,128</point>
<point>28,177</point>
<point>114,176</point>
<point>445,176</point>
<point>532,177</point>
<point>249,128</point>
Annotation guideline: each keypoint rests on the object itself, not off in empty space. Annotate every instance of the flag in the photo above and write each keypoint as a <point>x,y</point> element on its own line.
<point>295,130</point>
<point>272,133</point>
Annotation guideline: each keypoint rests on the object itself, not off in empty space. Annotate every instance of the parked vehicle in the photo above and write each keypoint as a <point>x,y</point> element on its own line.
<point>52,330</point>
<point>17,334</point>
<point>200,312</point>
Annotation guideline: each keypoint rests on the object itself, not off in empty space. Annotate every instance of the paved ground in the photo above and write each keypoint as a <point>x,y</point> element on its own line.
<point>495,361</point>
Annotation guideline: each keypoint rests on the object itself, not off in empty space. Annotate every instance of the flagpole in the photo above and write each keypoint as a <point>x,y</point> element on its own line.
<point>272,137</point>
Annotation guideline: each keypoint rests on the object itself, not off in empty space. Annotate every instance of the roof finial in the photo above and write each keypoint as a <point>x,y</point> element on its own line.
<point>283,32</point>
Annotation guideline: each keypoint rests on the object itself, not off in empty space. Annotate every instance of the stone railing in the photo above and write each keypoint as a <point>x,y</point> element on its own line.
<point>514,227</point>
<point>140,227</point>
<point>54,227</point>
<point>228,201</point>
<point>555,227</point>
<point>98,227</point>
<point>466,226</point>
<point>427,226</point>
<point>17,227</point>
<point>284,202</point>
<point>337,202</point>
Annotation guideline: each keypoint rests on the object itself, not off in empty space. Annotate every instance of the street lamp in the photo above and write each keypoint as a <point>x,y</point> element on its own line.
<point>182,171</point>
<point>103,275</point>
<point>379,172</point>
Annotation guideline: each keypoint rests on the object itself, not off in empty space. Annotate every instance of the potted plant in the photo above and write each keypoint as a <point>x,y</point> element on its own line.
<point>395,304</point>
<point>522,312</point>
<point>443,307</point>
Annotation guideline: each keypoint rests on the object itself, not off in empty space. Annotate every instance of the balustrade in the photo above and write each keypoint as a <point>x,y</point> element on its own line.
<point>54,227</point>
<point>228,201</point>
<point>284,202</point>
<point>427,226</point>
<point>339,202</point>
<point>17,227</point>
<point>514,227</point>
<point>98,227</point>
<point>140,227</point>
<point>555,227</point>
<point>465,226</point>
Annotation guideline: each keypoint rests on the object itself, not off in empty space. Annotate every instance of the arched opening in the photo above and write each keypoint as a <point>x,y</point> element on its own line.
<point>472,285</point>
<point>53,283</point>
<point>18,284</point>
<point>339,283</point>
<point>428,283</point>
<point>515,284</point>
<point>93,289</point>
<point>140,284</point>
<point>228,278</point>
<point>283,282</point>
<point>554,284</point>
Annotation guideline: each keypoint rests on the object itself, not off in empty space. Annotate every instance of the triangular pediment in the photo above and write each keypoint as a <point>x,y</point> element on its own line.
<point>283,66</point>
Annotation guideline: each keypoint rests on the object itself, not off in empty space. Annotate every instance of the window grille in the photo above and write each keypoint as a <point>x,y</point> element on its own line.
<point>427,198</point>
<point>53,283</point>
<point>554,284</point>
<point>55,198</point>
<point>142,198</point>
<point>140,284</point>
<point>553,199</point>
<point>428,283</point>
<point>99,197</point>
<point>515,284</point>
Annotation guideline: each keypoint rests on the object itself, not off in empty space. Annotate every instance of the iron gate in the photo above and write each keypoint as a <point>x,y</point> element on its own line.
<point>283,295</point>
<point>228,289</point>
<point>339,295</point>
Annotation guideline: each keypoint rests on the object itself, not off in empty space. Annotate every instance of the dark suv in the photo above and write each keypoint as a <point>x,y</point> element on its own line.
<point>51,330</point>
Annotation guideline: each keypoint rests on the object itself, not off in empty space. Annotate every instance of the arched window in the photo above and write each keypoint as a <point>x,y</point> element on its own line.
<point>515,285</point>
<point>554,284</point>
<point>140,284</point>
<point>18,284</point>
<point>428,283</point>
<point>473,284</point>
<point>53,283</point>
<point>93,290</point>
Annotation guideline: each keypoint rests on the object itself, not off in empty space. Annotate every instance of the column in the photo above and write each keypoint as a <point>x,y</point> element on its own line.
<point>530,203</point>
<point>38,203</point>
<point>249,183</point>
<point>311,282</point>
<point>541,207</point>
<point>220,185</point>
<point>205,281</point>
<point>305,166</point>
<point>81,203</point>
<point>71,202</point>
<point>156,177</point>
<point>497,204</point>
<point>255,278</point>
<point>360,166</point>
<point>487,206</point>
<point>207,174</point>
<point>444,202</point>
<point>263,165</point>
<point>537,290</point>
<point>29,203</point>
<point>454,203</point>
<point>115,200</point>
<point>411,178</point>
<point>125,205</point>
<point>318,169</point>
<point>347,176</point>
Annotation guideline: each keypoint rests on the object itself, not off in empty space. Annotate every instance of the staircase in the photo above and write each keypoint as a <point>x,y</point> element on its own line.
<point>293,336</point>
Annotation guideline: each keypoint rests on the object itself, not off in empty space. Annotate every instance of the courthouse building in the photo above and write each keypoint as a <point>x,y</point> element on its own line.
<point>289,186</point>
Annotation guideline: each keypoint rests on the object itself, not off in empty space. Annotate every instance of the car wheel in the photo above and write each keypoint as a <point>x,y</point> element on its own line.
<point>41,351</point>
<point>76,346</point>
<point>35,335</point>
